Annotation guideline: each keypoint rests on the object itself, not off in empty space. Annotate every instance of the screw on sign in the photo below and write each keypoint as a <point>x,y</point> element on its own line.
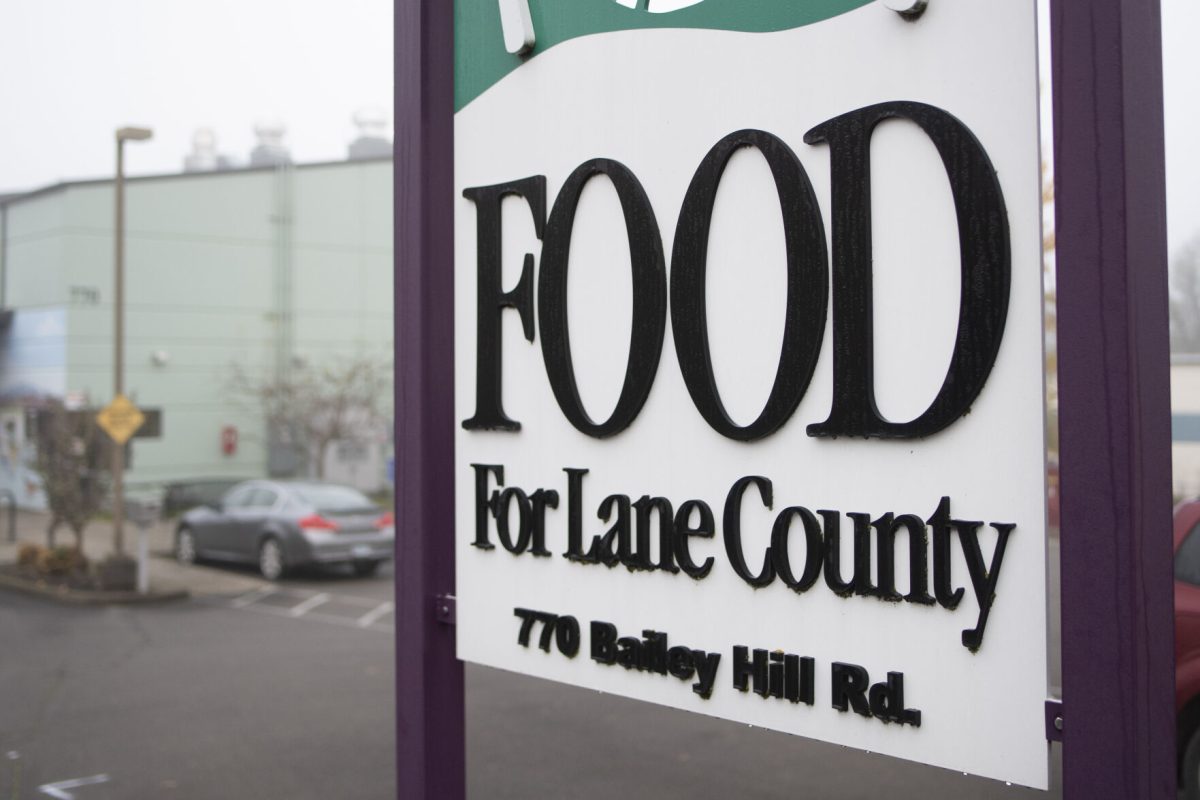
<point>120,419</point>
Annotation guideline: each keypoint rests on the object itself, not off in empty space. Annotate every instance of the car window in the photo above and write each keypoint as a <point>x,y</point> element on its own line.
<point>238,497</point>
<point>294,505</point>
<point>1187,560</point>
<point>332,498</point>
<point>262,498</point>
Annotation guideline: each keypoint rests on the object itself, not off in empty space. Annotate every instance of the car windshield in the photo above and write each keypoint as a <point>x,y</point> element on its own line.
<point>333,499</point>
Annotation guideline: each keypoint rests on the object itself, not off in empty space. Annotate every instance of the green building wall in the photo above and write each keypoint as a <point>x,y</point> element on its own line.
<point>214,262</point>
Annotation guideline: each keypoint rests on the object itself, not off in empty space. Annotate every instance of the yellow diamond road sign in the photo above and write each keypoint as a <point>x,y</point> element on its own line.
<point>120,419</point>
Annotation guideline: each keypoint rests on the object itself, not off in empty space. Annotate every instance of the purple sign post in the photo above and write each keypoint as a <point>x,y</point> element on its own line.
<point>1114,417</point>
<point>430,754</point>
<point>1118,719</point>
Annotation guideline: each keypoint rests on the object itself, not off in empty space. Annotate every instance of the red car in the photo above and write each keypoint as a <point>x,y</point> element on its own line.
<point>1187,646</point>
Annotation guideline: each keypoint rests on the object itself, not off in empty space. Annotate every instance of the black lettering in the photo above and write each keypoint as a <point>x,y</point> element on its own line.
<point>812,541</point>
<point>629,650</point>
<point>833,554</point>
<point>886,528</point>
<point>482,506</point>
<point>947,596</point>
<point>985,266</point>
<point>705,528</point>
<point>566,636</point>
<point>850,683</point>
<point>887,702</point>
<point>502,503</point>
<point>706,672</point>
<point>548,622</point>
<point>492,299</point>
<point>604,642</point>
<point>775,680</point>
<point>807,282</point>
<point>540,501</point>
<point>575,514</point>
<point>983,579</point>
<point>862,554</point>
<point>654,652</point>
<point>748,674</point>
<point>613,546</point>
<point>526,616</point>
<point>733,531</point>
<point>649,298</point>
<point>680,664</point>
<point>804,690</point>
<point>791,678</point>
<point>666,533</point>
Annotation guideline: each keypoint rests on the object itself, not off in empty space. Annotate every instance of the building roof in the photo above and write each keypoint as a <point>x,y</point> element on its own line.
<point>9,198</point>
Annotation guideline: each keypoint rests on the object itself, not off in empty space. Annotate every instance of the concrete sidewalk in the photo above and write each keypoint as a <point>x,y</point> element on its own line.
<point>166,574</point>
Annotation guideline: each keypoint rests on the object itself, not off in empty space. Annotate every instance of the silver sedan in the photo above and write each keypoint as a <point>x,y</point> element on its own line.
<point>281,525</point>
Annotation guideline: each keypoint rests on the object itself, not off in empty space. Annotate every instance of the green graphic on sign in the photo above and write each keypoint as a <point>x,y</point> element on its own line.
<point>480,59</point>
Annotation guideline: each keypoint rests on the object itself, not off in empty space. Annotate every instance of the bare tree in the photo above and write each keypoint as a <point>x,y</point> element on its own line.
<point>348,400</point>
<point>71,452</point>
<point>1185,299</point>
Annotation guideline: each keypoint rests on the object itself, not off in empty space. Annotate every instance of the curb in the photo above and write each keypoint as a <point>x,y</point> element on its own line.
<point>82,597</point>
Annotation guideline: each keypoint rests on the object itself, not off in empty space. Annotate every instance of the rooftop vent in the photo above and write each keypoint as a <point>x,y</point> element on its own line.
<point>372,141</point>
<point>204,156</point>
<point>270,150</point>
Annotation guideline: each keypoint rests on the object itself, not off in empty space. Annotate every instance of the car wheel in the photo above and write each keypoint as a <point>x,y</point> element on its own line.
<point>365,569</point>
<point>185,547</point>
<point>270,559</point>
<point>1189,783</point>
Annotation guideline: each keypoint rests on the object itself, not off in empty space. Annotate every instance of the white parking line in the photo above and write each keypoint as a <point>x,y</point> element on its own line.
<point>349,622</point>
<point>301,609</point>
<point>354,600</point>
<point>369,618</point>
<point>59,790</point>
<point>252,596</point>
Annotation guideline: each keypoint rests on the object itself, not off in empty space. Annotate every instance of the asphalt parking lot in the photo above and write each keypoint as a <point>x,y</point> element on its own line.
<point>286,691</point>
<point>194,699</point>
<point>326,597</point>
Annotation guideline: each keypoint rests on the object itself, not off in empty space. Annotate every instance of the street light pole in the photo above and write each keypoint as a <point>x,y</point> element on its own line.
<point>118,453</point>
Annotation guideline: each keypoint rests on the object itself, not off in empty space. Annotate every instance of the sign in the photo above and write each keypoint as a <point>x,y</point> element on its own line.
<point>749,366</point>
<point>120,419</point>
<point>229,439</point>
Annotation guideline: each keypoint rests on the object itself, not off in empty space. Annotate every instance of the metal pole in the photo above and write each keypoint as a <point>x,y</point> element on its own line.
<point>3,255</point>
<point>143,560</point>
<point>118,451</point>
<point>11,500</point>
<point>430,749</point>
<point>1114,428</point>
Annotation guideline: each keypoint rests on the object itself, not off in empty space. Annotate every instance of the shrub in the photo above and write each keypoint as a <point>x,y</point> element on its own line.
<point>28,554</point>
<point>60,560</point>
<point>71,454</point>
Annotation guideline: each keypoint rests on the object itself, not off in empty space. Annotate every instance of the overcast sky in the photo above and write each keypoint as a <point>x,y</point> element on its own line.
<point>71,71</point>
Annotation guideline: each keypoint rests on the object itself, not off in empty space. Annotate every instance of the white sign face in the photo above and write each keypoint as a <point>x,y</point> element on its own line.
<point>749,366</point>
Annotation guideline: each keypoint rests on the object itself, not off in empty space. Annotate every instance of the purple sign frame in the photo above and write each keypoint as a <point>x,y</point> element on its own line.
<point>1117,602</point>
<point>430,721</point>
<point>1114,401</point>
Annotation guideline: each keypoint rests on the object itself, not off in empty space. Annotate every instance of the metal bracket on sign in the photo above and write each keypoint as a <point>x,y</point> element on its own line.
<point>909,9</point>
<point>1054,720</point>
<point>445,609</point>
